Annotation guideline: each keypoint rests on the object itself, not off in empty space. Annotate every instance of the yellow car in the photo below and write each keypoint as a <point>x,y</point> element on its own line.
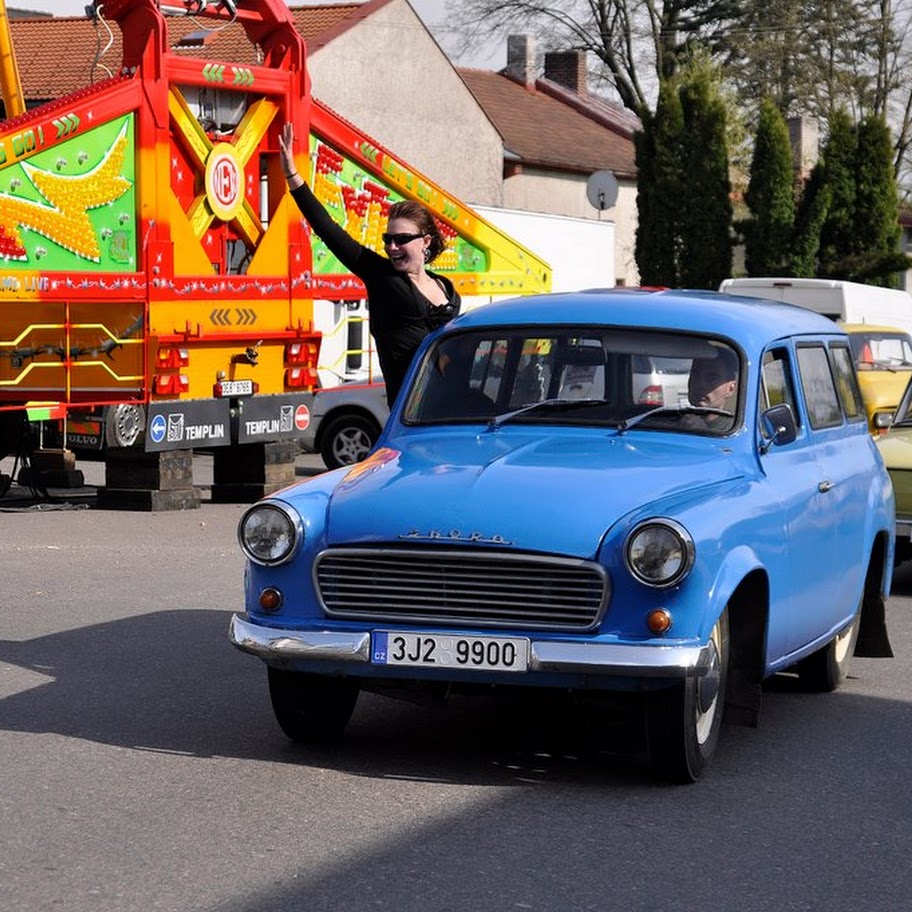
<point>896,449</point>
<point>883,360</point>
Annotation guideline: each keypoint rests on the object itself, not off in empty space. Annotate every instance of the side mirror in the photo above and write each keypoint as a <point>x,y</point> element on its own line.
<point>780,427</point>
<point>883,421</point>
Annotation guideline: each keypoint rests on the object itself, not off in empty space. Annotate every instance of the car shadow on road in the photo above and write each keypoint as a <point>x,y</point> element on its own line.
<point>167,681</point>
<point>824,773</point>
<point>170,681</point>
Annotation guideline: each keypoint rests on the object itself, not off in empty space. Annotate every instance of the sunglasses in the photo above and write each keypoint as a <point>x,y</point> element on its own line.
<point>400,240</point>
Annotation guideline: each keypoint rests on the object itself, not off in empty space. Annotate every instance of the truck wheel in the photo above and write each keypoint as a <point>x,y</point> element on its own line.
<point>123,424</point>
<point>683,721</point>
<point>311,708</point>
<point>347,439</point>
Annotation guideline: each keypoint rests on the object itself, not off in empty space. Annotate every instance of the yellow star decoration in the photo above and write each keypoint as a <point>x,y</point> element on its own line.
<point>68,223</point>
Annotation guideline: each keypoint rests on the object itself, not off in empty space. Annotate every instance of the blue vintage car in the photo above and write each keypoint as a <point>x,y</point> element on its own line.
<point>530,516</point>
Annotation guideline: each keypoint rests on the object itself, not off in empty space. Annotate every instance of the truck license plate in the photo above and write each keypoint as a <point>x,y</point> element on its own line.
<point>432,650</point>
<point>227,388</point>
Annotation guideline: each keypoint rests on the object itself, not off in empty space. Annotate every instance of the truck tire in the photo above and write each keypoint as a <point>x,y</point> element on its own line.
<point>124,424</point>
<point>347,439</point>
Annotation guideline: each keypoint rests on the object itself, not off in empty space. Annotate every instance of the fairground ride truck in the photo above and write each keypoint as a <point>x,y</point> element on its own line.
<point>157,283</point>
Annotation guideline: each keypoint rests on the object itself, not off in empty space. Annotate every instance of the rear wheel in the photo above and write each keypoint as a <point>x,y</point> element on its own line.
<point>823,671</point>
<point>903,551</point>
<point>347,439</point>
<point>683,721</point>
<point>309,708</point>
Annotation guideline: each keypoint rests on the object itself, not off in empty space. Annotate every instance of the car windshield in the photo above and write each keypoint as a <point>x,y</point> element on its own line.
<point>881,350</point>
<point>595,376</point>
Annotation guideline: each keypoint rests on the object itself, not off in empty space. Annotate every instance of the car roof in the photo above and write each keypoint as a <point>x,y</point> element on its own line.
<point>750,321</point>
<point>851,328</point>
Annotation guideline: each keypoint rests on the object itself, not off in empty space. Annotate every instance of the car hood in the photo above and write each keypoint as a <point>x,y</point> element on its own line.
<point>531,492</point>
<point>882,389</point>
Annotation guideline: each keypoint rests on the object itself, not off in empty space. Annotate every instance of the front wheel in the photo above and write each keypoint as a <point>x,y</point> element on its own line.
<point>683,721</point>
<point>347,439</point>
<point>311,709</point>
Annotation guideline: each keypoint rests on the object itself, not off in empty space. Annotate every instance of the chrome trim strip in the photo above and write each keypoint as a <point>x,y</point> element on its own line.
<point>316,645</point>
<point>622,659</point>
<point>903,528</point>
<point>272,643</point>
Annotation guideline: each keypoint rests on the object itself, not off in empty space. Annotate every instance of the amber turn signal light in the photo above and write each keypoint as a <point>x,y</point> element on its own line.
<point>659,621</point>
<point>270,599</point>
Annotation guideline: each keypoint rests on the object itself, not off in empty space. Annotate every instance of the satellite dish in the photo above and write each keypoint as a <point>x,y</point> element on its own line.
<point>602,189</point>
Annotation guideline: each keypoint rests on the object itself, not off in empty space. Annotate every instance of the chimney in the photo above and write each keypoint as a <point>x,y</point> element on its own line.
<point>521,59</point>
<point>568,68</point>
<point>804,134</point>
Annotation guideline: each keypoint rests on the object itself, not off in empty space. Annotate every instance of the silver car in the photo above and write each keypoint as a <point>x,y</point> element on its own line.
<point>345,422</point>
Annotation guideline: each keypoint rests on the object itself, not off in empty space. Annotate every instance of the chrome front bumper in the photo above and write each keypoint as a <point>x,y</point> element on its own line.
<point>274,644</point>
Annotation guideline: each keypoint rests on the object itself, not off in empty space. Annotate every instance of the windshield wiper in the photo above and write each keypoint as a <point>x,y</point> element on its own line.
<point>683,409</point>
<point>498,420</point>
<point>889,364</point>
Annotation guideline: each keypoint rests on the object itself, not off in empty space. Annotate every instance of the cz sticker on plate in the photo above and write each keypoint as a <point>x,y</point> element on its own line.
<point>432,650</point>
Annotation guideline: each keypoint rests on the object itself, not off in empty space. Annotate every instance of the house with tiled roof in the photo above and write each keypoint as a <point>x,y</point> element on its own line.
<point>492,139</point>
<point>556,135</point>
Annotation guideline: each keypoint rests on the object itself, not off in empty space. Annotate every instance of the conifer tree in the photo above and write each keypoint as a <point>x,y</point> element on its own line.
<point>837,238</point>
<point>705,202</point>
<point>876,213</point>
<point>770,197</point>
<point>659,188</point>
<point>809,219</point>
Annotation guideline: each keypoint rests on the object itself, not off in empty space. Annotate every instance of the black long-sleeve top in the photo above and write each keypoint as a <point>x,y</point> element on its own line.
<point>400,315</point>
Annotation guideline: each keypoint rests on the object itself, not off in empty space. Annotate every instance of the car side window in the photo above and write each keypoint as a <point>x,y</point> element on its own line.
<point>819,389</point>
<point>776,381</point>
<point>847,382</point>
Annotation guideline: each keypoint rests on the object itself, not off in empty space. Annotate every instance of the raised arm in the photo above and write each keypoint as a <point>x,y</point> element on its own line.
<point>353,255</point>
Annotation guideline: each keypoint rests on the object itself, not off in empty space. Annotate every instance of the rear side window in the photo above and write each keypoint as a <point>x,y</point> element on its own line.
<point>846,382</point>
<point>819,389</point>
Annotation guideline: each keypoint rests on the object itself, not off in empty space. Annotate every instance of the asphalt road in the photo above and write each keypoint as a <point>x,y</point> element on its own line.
<point>142,770</point>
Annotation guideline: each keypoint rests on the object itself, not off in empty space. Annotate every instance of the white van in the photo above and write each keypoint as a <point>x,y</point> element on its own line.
<point>877,320</point>
<point>845,302</point>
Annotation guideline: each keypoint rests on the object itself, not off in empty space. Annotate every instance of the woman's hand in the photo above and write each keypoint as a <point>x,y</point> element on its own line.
<point>286,146</point>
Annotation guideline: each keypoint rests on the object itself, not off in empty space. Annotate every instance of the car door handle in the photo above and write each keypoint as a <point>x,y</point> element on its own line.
<point>825,486</point>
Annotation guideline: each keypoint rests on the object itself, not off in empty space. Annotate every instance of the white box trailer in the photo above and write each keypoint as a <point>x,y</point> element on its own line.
<point>845,302</point>
<point>579,251</point>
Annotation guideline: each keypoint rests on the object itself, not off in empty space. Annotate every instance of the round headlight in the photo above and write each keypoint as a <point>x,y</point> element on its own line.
<point>269,533</point>
<point>660,552</point>
<point>883,420</point>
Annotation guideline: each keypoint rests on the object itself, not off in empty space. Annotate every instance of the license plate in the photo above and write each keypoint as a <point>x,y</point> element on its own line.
<point>432,650</point>
<point>227,388</point>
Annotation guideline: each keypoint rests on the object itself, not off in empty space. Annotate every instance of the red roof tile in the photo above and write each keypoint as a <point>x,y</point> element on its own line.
<point>542,131</point>
<point>58,56</point>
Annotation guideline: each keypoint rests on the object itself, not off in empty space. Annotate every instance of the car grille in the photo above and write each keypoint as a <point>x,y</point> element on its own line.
<point>443,586</point>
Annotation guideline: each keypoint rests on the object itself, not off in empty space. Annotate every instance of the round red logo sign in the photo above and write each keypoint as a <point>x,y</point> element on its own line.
<point>224,181</point>
<point>302,417</point>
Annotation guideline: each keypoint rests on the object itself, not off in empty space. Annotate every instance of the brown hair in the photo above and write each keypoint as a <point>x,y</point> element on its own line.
<point>419,214</point>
